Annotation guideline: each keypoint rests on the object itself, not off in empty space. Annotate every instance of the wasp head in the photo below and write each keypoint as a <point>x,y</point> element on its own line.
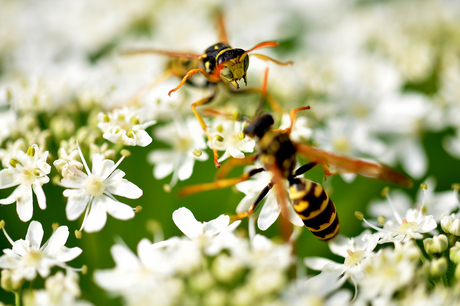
<point>235,68</point>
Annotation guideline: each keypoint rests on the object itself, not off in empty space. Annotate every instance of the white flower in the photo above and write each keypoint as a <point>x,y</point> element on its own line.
<point>27,258</point>
<point>228,135</point>
<point>354,250</point>
<point>29,171</point>
<point>123,126</point>
<point>203,232</point>
<point>271,208</point>
<point>301,132</point>
<point>186,139</point>
<point>94,192</point>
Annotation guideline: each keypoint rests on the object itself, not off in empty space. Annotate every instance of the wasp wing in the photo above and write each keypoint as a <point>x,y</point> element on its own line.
<point>355,165</point>
<point>136,51</point>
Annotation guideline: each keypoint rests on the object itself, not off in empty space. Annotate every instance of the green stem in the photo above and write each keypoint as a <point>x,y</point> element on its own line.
<point>17,298</point>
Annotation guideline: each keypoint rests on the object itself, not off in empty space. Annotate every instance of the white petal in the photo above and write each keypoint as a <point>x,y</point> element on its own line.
<point>119,210</point>
<point>246,202</point>
<point>414,159</point>
<point>8,178</point>
<point>41,198</point>
<point>216,226</point>
<point>124,257</point>
<point>97,216</point>
<point>14,196</point>
<point>235,153</point>
<point>76,204</point>
<point>143,138</point>
<point>186,168</point>
<point>24,205</point>
<point>318,263</point>
<point>68,254</point>
<point>35,234</point>
<point>292,216</point>
<point>186,222</point>
<point>57,241</point>
<point>269,213</point>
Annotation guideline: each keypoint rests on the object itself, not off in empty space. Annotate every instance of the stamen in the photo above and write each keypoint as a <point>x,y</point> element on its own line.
<point>106,118</point>
<point>83,159</point>
<point>135,120</point>
<point>137,209</point>
<point>31,151</point>
<point>240,135</point>
<point>350,252</point>
<point>424,187</point>
<point>78,234</point>
<point>219,128</point>
<point>55,226</point>
<point>393,208</point>
<point>197,152</point>
<point>14,162</point>
<point>125,153</point>
<point>219,138</point>
<point>113,168</point>
<point>2,225</point>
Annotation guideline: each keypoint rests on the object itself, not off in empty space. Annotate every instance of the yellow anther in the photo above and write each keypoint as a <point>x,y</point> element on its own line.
<point>455,186</point>
<point>14,162</point>
<point>106,118</point>
<point>167,188</point>
<point>385,191</point>
<point>381,219</point>
<point>359,215</point>
<point>135,120</point>
<point>197,152</point>
<point>121,117</point>
<point>130,134</point>
<point>424,186</point>
<point>84,269</point>
<point>31,151</point>
<point>117,130</point>
<point>2,224</point>
<point>55,226</point>
<point>125,153</point>
<point>235,115</point>
<point>219,138</point>
<point>220,128</point>
<point>78,234</point>
<point>37,172</point>
<point>240,135</point>
<point>138,209</point>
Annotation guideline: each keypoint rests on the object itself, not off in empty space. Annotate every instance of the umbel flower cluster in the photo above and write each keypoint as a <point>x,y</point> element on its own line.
<point>84,94</point>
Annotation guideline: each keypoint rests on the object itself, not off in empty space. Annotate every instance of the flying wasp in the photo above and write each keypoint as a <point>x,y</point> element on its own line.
<point>219,63</point>
<point>278,154</point>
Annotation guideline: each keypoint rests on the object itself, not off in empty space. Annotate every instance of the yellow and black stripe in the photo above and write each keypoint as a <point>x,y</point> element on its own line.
<point>277,151</point>
<point>315,208</point>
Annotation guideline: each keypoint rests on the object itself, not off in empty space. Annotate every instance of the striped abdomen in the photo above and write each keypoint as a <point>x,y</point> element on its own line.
<point>315,208</point>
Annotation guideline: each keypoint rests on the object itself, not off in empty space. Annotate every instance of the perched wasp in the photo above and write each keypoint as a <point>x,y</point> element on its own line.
<point>219,63</point>
<point>277,153</point>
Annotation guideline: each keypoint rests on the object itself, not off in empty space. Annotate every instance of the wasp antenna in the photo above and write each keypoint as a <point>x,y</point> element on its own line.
<point>265,44</point>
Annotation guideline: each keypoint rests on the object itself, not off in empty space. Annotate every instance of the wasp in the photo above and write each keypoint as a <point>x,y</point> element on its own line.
<point>219,63</point>
<point>278,154</point>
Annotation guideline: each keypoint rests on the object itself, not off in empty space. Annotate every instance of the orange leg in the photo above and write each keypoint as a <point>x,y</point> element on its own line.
<point>221,28</point>
<point>203,125</point>
<point>266,58</point>
<point>293,114</point>
<point>232,163</point>
<point>211,78</point>
<point>219,184</point>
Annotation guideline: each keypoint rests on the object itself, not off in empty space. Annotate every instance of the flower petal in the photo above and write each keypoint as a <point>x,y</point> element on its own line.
<point>186,222</point>
<point>76,203</point>
<point>24,205</point>
<point>97,216</point>
<point>35,234</point>
<point>269,213</point>
<point>41,198</point>
<point>119,210</point>
<point>56,241</point>
<point>216,226</point>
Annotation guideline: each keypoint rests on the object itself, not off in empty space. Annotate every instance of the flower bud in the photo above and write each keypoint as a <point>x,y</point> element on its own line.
<point>457,272</point>
<point>454,253</point>
<point>450,224</point>
<point>438,267</point>
<point>8,283</point>
<point>226,268</point>
<point>437,244</point>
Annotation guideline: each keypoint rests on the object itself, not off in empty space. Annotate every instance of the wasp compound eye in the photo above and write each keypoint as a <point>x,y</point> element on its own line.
<point>260,126</point>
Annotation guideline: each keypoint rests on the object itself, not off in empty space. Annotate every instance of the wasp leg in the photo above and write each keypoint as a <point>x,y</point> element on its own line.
<point>221,28</point>
<point>254,205</point>
<point>203,125</point>
<point>292,115</point>
<point>211,78</point>
<point>141,92</point>
<point>232,163</point>
<point>266,58</point>
<point>137,51</point>
<point>219,184</point>
<point>305,168</point>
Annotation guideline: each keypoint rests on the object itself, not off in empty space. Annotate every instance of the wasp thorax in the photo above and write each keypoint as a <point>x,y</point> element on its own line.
<point>260,126</point>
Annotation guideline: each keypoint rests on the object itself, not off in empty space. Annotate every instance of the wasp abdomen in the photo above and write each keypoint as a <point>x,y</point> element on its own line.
<point>315,208</point>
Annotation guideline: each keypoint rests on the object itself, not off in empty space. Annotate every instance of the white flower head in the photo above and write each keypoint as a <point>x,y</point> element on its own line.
<point>29,171</point>
<point>228,136</point>
<point>203,232</point>
<point>123,126</point>
<point>186,139</point>
<point>401,229</point>
<point>93,191</point>
<point>27,258</point>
